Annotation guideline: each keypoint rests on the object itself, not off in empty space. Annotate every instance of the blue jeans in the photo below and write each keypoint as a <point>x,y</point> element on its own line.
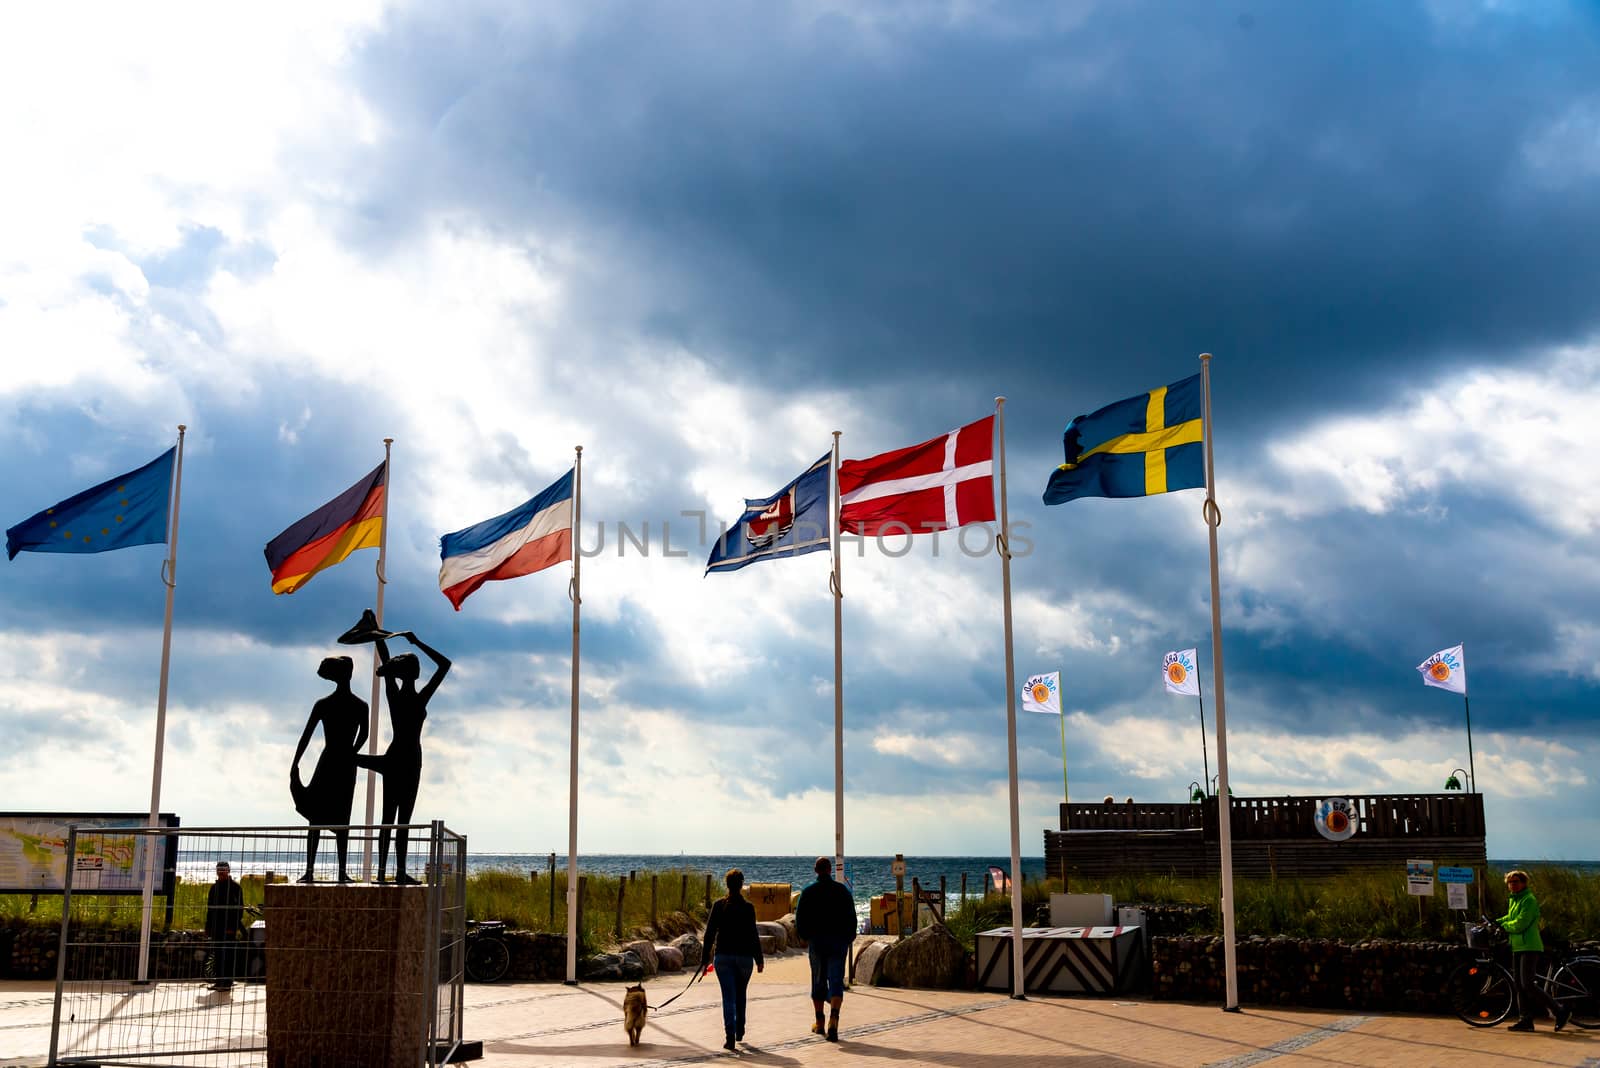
<point>733,976</point>
<point>827,967</point>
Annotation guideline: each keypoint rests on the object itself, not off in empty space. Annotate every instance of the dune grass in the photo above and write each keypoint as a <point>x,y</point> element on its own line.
<point>507,895</point>
<point>1355,906</point>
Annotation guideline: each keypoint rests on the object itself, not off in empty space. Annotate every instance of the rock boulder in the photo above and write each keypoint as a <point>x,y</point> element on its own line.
<point>689,945</point>
<point>646,952</point>
<point>669,959</point>
<point>600,967</point>
<point>775,931</point>
<point>869,962</point>
<point>931,959</point>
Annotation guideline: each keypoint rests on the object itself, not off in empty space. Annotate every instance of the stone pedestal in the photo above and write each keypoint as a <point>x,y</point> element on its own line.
<point>346,975</point>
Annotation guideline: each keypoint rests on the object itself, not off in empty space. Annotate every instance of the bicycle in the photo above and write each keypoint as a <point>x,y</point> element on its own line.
<point>1483,991</point>
<point>488,954</point>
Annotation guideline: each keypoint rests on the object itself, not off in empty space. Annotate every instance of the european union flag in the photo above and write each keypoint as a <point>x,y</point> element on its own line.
<point>1133,448</point>
<point>130,509</point>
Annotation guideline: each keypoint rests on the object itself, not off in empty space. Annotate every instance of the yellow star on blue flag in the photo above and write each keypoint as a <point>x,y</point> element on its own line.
<point>1134,448</point>
<point>130,509</point>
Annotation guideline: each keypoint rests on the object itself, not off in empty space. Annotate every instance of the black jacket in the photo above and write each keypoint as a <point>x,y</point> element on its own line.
<point>225,910</point>
<point>826,910</point>
<point>731,929</point>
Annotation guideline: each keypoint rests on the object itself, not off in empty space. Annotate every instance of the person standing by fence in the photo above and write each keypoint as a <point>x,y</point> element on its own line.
<point>224,925</point>
<point>732,947</point>
<point>1521,922</point>
<point>826,918</point>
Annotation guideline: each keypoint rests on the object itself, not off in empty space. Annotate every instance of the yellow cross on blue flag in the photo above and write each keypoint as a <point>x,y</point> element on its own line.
<point>130,509</point>
<point>1134,448</point>
<point>1042,693</point>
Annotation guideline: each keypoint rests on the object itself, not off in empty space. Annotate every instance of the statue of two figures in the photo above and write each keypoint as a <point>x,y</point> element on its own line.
<point>326,800</point>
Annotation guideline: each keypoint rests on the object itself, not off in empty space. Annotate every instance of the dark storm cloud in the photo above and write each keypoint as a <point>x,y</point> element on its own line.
<point>1341,187</point>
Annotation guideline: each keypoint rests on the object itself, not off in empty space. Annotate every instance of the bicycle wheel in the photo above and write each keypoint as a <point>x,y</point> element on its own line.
<point>1481,993</point>
<point>1577,989</point>
<point>488,959</point>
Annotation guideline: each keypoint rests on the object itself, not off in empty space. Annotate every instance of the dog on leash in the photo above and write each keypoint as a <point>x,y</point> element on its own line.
<point>634,1009</point>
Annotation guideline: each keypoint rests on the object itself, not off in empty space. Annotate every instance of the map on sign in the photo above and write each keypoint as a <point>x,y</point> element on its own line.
<point>33,852</point>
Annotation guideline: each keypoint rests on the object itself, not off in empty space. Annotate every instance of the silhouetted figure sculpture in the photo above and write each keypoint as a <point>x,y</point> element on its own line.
<point>401,763</point>
<point>325,801</point>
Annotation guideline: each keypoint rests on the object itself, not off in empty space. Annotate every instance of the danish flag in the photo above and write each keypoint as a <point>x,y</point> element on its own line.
<point>937,485</point>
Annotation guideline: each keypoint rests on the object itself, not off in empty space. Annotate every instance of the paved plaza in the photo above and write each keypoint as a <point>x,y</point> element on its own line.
<point>541,1025</point>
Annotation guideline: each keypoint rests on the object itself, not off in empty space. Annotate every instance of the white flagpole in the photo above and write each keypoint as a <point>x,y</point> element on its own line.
<point>153,842</point>
<point>377,690</point>
<point>1224,815</point>
<point>572,784</point>
<point>838,673</point>
<point>1004,541</point>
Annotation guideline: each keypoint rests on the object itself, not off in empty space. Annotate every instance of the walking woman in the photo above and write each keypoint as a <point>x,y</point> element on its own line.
<point>734,948</point>
<point>1521,922</point>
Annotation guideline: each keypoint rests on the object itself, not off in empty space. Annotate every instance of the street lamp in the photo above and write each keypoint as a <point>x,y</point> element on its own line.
<point>1454,781</point>
<point>1197,792</point>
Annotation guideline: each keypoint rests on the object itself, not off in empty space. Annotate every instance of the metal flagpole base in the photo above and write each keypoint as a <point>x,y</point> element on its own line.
<point>1234,1009</point>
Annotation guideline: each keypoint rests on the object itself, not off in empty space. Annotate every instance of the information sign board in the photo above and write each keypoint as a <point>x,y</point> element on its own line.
<point>1419,878</point>
<point>1455,875</point>
<point>1456,895</point>
<point>33,852</point>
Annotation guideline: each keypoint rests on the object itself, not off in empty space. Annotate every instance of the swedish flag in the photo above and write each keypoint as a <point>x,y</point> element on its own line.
<point>130,509</point>
<point>1133,448</point>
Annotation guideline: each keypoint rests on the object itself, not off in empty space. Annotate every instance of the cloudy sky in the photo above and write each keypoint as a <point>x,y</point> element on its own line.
<point>696,239</point>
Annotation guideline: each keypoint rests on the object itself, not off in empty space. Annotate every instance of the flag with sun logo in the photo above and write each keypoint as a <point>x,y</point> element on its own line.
<point>1446,669</point>
<point>1177,669</point>
<point>1042,693</point>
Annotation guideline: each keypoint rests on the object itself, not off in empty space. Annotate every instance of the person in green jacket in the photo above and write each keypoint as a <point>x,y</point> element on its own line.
<point>1521,922</point>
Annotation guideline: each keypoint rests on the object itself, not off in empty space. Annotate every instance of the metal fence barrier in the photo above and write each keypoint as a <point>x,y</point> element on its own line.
<point>214,1001</point>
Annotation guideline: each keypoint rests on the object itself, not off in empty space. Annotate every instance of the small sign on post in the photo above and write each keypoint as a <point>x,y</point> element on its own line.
<point>897,867</point>
<point>1419,878</point>
<point>1456,895</point>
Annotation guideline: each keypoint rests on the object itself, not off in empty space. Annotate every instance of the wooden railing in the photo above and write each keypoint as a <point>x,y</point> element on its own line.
<point>1452,815</point>
<point>1130,817</point>
<point>1449,815</point>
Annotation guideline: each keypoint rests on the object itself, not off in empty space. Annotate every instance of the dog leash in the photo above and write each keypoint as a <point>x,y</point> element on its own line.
<point>693,979</point>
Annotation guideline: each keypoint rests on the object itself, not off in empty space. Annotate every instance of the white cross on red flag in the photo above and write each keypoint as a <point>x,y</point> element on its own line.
<point>937,485</point>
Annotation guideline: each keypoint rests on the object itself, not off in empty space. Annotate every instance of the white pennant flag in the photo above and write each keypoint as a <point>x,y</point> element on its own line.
<point>1042,693</point>
<point>1177,670</point>
<point>1446,669</point>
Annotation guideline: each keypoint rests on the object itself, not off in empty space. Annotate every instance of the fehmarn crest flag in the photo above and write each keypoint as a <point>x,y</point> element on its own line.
<point>1446,669</point>
<point>791,522</point>
<point>1177,670</point>
<point>1042,693</point>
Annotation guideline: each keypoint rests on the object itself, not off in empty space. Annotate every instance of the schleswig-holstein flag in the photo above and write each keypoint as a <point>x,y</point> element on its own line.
<point>1134,448</point>
<point>534,535</point>
<point>1042,693</point>
<point>1178,671</point>
<point>1446,669</point>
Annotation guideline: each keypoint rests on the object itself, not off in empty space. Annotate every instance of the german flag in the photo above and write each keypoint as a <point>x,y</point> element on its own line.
<point>353,520</point>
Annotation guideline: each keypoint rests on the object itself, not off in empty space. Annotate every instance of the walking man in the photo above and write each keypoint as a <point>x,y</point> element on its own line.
<point>826,918</point>
<point>224,925</point>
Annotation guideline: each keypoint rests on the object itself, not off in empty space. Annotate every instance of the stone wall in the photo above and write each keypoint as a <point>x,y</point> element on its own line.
<point>1312,972</point>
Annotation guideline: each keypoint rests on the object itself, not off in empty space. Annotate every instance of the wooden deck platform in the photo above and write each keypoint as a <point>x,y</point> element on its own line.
<point>1271,836</point>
